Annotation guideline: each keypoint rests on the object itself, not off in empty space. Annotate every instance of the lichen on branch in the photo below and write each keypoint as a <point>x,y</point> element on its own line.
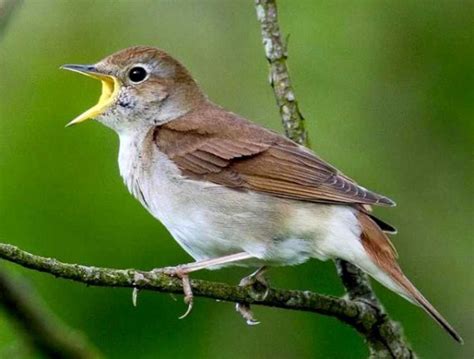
<point>361,309</point>
<point>386,340</point>
<point>355,313</point>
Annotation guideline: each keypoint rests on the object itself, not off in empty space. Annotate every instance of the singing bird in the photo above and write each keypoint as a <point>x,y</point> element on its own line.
<point>230,191</point>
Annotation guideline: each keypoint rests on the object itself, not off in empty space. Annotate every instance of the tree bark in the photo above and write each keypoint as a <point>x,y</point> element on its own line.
<point>361,309</point>
<point>385,339</point>
<point>363,316</point>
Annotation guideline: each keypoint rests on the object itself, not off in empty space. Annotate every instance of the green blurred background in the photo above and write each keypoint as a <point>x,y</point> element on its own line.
<point>387,91</point>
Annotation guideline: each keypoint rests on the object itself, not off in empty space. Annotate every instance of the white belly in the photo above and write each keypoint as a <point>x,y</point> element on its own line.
<point>211,221</point>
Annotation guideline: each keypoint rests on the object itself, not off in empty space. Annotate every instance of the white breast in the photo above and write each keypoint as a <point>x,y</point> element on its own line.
<point>209,220</point>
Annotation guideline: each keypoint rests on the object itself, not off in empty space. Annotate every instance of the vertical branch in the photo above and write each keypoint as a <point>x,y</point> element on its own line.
<point>356,283</point>
<point>276,54</point>
<point>385,340</point>
<point>41,329</point>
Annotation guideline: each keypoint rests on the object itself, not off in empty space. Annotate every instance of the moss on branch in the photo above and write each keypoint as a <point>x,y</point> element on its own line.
<point>361,315</point>
<point>386,339</point>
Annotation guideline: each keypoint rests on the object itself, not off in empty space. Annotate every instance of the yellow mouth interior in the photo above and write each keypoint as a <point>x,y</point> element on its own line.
<point>110,89</point>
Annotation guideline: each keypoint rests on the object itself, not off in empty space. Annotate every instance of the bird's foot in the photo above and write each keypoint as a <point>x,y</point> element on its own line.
<point>259,288</point>
<point>244,310</point>
<point>182,273</point>
<point>257,283</point>
<point>369,303</point>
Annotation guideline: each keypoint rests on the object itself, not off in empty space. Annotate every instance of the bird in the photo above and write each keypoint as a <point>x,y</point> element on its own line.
<point>229,191</point>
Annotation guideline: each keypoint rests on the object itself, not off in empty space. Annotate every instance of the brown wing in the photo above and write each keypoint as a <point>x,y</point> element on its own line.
<point>220,147</point>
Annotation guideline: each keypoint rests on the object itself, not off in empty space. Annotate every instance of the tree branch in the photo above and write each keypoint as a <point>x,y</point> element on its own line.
<point>40,327</point>
<point>386,339</point>
<point>362,316</point>
<point>279,77</point>
<point>361,309</point>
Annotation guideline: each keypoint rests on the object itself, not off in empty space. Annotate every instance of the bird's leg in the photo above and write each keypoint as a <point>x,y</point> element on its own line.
<point>257,281</point>
<point>259,285</point>
<point>182,272</point>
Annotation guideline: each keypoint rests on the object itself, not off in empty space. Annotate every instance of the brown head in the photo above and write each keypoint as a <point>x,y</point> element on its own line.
<point>141,86</point>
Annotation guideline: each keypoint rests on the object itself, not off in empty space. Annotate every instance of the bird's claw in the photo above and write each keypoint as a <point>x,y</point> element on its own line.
<point>258,284</point>
<point>368,303</point>
<point>190,308</point>
<point>181,273</point>
<point>188,294</point>
<point>259,289</point>
<point>134,296</point>
<point>246,313</point>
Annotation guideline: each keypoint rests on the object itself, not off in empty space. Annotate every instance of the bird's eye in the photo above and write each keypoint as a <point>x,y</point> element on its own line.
<point>137,74</point>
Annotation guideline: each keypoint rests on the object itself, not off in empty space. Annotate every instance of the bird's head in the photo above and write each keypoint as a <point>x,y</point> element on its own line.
<point>141,86</point>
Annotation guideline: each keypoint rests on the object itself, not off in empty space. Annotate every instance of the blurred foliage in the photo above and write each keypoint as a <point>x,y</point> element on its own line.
<point>387,90</point>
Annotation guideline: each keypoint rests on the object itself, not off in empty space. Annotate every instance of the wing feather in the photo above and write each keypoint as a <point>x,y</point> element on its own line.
<point>220,147</point>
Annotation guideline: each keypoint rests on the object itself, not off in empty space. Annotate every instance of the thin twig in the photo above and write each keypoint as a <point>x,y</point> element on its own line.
<point>276,54</point>
<point>384,336</point>
<point>388,342</point>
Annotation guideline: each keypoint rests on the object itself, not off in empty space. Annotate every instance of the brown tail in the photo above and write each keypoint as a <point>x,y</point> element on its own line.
<point>382,253</point>
<point>423,302</point>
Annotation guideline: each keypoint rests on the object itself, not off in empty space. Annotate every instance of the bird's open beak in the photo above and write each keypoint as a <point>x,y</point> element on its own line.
<point>110,89</point>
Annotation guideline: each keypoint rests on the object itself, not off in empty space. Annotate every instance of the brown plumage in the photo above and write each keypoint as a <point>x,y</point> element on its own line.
<point>210,144</point>
<point>214,145</point>
<point>166,122</point>
<point>382,251</point>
